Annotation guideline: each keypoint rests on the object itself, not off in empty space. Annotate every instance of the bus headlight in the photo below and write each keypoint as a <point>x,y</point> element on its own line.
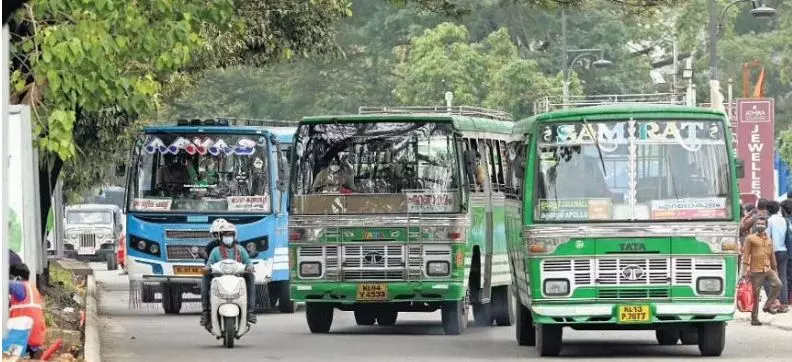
<point>556,287</point>
<point>544,245</point>
<point>310,269</point>
<point>438,268</point>
<point>154,249</point>
<point>709,285</point>
<point>141,245</point>
<point>721,244</point>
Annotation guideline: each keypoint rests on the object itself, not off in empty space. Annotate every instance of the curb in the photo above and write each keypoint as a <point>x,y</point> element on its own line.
<point>770,324</point>
<point>92,349</point>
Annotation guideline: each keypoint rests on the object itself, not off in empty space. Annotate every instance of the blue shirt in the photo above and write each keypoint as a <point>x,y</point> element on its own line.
<point>776,229</point>
<point>216,255</point>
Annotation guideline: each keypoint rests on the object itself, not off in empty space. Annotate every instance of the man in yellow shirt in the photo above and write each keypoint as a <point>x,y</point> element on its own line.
<point>759,263</point>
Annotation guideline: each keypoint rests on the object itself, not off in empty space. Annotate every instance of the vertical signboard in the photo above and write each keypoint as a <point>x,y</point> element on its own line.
<point>755,131</point>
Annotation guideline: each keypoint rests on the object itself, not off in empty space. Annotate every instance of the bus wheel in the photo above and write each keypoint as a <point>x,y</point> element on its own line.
<point>548,339</point>
<point>689,336</point>
<point>526,333</point>
<point>319,316</point>
<point>454,317</point>
<point>667,336</point>
<point>712,338</point>
<point>365,317</point>
<point>502,305</point>
<point>387,316</point>
<point>171,298</point>
<point>482,314</point>
<point>285,304</point>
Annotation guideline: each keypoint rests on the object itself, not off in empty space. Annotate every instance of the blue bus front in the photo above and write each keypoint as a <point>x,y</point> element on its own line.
<point>184,177</point>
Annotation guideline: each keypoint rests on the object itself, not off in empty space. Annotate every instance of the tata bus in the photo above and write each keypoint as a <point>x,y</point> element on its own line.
<point>401,210</point>
<point>624,217</point>
<point>182,177</point>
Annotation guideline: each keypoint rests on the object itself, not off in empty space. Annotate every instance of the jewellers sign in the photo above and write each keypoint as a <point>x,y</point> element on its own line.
<point>755,131</point>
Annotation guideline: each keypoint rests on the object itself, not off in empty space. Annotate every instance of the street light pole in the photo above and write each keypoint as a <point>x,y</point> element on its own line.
<point>565,59</point>
<point>713,48</point>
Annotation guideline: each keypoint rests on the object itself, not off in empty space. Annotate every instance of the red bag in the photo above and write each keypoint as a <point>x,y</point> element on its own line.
<point>745,299</point>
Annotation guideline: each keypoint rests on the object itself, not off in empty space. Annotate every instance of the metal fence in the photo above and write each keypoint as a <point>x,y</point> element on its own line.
<point>549,104</point>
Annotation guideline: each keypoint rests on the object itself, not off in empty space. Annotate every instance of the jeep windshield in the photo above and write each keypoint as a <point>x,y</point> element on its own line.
<point>376,167</point>
<point>201,173</point>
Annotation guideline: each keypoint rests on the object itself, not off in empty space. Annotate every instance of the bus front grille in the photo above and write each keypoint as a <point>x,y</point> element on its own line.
<point>188,234</point>
<point>374,275</point>
<point>633,293</point>
<point>184,252</point>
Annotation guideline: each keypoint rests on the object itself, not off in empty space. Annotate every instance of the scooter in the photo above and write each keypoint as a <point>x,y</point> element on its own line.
<point>228,300</point>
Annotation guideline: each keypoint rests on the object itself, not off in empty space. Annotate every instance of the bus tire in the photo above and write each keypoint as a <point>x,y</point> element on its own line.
<point>482,314</point>
<point>667,336</point>
<point>454,317</point>
<point>319,316</point>
<point>365,317</point>
<point>689,336</point>
<point>285,304</point>
<point>712,338</point>
<point>171,298</point>
<point>549,338</point>
<point>147,293</point>
<point>526,333</point>
<point>387,316</point>
<point>502,305</point>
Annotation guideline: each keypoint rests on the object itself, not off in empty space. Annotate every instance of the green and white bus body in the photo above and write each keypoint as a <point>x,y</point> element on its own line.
<point>627,219</point>
<point>415,232</point>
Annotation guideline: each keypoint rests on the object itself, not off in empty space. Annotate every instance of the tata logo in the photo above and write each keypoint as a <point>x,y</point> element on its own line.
<point>632,272</point>
<point>373,235</point>
<point>372,258</point>
<point>632,247</point>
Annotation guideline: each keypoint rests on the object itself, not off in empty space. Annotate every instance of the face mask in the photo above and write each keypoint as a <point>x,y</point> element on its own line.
<point>228,240</point>
<point>760,228</point>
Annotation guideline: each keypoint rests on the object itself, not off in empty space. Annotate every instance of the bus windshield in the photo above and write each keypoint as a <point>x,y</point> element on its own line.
<point>653,170</point>
<point>201,173</point>
<point>382,167</point>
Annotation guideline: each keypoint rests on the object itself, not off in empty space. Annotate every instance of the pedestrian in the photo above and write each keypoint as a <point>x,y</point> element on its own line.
<point>26,301</point>
<point>777,230</point>
<point>759,264</point>
<point>786,209</point>
<point>747,223</point>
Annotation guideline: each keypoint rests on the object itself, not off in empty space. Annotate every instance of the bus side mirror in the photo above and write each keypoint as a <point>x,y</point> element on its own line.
<point>740,169</point>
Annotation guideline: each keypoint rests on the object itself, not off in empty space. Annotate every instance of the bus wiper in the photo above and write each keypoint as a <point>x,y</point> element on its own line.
<point>596,143</point>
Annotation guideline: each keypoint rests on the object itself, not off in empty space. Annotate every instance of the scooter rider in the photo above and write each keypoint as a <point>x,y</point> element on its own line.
<point>230,249</point>
<point>206,281</point>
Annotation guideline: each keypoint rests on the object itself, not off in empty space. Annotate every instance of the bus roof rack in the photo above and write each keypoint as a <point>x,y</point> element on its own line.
<point>456,110</point>
<point>549,104</point>
<point>224,121</point>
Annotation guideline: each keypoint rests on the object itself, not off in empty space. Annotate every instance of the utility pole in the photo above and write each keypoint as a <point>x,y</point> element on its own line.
<point>564,58</point>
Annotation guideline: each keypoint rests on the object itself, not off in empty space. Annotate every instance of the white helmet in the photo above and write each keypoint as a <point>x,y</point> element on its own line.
<point>215,228</point>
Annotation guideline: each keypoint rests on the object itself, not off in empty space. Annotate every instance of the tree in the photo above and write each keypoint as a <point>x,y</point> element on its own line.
<point>487,73</point>
<point>92,70</point>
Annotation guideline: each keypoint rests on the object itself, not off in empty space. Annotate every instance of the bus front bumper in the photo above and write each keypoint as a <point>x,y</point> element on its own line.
<point>397,291</point>
<point>607,313</point>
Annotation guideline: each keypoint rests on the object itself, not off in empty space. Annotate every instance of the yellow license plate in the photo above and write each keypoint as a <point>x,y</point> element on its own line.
<point>188,270</point>
<point>372,292</point>
<point>634,314</point>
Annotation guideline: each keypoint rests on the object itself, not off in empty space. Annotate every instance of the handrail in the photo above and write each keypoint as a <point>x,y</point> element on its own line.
<point>259,122</point>
<point>457,110</point>
<point>549,104</point>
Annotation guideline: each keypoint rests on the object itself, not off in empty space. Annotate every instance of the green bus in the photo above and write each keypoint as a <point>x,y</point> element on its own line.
<point>625,218</point>
<point>401,209</point>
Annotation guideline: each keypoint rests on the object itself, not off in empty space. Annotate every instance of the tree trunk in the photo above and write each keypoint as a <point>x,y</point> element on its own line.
<point>47,181</point>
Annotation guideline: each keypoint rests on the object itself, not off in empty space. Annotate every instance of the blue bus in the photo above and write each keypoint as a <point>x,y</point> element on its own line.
<point>180,179</point>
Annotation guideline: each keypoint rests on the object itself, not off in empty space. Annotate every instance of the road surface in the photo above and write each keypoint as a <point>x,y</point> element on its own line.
<point>149,335</point>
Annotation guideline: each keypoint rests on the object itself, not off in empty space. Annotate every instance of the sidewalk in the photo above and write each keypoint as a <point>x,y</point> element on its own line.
<point>779,321</point>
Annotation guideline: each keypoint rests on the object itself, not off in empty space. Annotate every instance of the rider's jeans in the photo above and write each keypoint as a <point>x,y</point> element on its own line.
<point>250,282</point>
